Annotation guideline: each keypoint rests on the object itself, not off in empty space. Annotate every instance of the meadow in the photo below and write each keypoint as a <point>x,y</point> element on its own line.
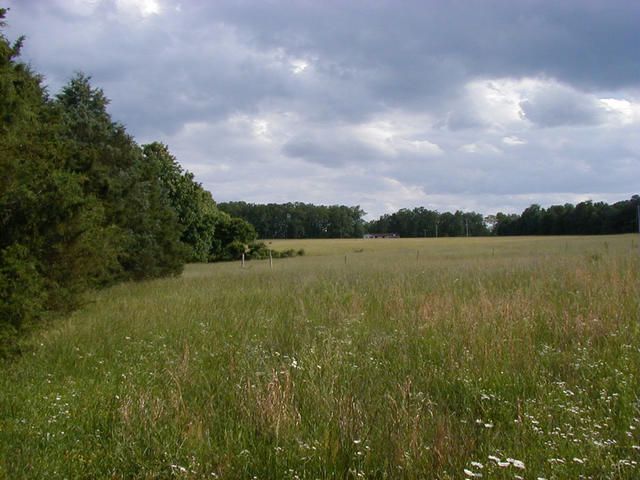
<point>457,358</point>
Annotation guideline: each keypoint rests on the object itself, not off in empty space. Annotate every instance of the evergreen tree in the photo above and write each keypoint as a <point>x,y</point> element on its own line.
<point>48,228</point>
<point>124,180</point>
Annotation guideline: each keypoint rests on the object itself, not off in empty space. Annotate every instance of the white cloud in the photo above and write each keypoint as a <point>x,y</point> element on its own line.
<point>144,8</point>
<point>298,66</point>
<point>625,112</point>
<point>513,140</point>
<point>480,147</point>
<point>496,102</point>
<point>397,133</point>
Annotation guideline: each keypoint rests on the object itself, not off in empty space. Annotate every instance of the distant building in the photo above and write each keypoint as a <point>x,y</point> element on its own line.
<point>381,235</point>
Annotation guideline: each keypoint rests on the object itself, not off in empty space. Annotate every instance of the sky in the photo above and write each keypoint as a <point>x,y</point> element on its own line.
<point>483,105</point>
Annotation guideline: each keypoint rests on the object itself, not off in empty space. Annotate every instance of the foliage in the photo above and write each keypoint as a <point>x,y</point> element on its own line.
<point>421,222</point>
<point>46,222</point>
<point>194,207</point>
<point>116,172</point>
<point>299,220</point>
<point>260,251</point>
<point>83,206</point>
<point>231,239</point>
<point>586,218</point>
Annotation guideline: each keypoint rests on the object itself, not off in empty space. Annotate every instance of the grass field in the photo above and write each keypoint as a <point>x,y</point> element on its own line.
<point>412,358</point>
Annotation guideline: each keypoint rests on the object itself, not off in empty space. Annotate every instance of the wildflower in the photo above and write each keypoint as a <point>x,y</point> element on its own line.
<point>469,473</point>
<point>494,458</point>
<point>477,465</point>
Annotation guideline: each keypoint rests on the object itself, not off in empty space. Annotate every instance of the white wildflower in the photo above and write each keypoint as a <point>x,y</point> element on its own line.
<point>469,473</point>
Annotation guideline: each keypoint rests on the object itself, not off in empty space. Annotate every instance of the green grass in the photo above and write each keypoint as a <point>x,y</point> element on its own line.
<point>410,358</point>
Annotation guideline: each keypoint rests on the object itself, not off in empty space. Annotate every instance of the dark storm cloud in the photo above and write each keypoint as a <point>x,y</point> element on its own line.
<point>409,55</point>
<point>584,42</point>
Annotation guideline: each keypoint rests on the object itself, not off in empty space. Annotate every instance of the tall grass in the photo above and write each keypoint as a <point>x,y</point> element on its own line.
<point>419,358</point>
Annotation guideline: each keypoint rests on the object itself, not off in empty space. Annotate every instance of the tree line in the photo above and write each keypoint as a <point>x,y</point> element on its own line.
<point>82,205</point>
<point>421,222</point>
<point>299,220</point>
<point>585,218</point>
<point>303,220</point>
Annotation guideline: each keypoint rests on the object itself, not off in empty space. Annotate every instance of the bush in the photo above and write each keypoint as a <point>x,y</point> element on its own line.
<point>233,250</point>
<point>258,251</point>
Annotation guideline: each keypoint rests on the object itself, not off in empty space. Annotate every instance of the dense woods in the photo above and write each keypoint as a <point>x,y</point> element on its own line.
<point>586,218</point>
<point>83,206</point>
<point>421,222</point>
<point>299,220</point>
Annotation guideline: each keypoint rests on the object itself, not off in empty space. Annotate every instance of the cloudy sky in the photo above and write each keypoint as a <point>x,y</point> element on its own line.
<point>474,105</point>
